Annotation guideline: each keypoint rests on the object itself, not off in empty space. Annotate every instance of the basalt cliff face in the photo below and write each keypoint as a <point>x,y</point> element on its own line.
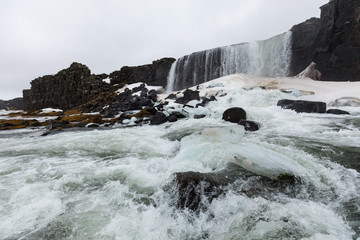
<point>333,42</point>
<point>66,90</point>
<point>154,74</point>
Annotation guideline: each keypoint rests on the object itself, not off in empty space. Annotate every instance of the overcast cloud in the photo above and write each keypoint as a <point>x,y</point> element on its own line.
<point>40,37</point>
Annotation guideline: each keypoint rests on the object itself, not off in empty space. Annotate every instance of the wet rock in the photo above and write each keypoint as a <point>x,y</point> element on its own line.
<point>199,116</point>
<point>171,96</point>
<point>158,118</point>
<point>205,101</point>
<point>189,95</point>
<point>60,125</point>
<point>301,106</point>
<point>234,115</point>
<point>172,118</point>
<point>126,101</point>
<point>193,190</point>
<point>337,112</point>
<point>92,125</point>
<point>249,125</point>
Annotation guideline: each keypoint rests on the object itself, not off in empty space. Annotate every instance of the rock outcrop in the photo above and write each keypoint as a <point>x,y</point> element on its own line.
<point>301,106</point>
<point>154,74</point>
<point>16,103</point>
<point>67,89</point>
<point>304,37</point>
<point>333,42</point>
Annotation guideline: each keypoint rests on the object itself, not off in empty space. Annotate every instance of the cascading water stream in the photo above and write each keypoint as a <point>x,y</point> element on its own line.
<point>268,58</point>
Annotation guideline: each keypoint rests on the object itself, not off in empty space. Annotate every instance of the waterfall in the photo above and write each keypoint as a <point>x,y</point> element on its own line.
<point>268,58</point>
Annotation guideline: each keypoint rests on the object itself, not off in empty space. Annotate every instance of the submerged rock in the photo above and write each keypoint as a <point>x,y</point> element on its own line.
<point>337,112</point>
<point>301,106</point>
<point>249,125</point>
<point>346,102</point>
<point>195,190</point>
<point>234,115</point>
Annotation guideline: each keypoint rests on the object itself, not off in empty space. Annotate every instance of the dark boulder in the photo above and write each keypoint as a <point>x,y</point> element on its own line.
<point>193,190</point>
<point>172,118</point>
<point>158,118</point>
<point>249,125</point>
<point>234,115</point>
<point>189,95</point>
<point>301,106</point>
<point>337,112</point>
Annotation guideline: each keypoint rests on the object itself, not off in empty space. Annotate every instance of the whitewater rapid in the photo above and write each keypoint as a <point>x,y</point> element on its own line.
<point>113,184</point>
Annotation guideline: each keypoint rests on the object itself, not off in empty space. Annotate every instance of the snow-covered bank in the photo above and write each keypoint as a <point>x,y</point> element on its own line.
<point>310,89</point>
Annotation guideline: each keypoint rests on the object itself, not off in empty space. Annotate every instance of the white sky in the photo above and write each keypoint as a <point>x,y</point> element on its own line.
<point>41,37</point>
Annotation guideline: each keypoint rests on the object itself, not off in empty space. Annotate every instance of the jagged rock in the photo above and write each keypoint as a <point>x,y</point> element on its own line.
<point>178,115</point>
<point>337,112</point>
<point>154,74</point>
<point>333,42</point>
<point>189,95</point>
<point>249,125</point>
<point>234,115</point>
<point>302,106</point>
<point>65,90</point>
<point>304,37</point>
<point>311,72</point>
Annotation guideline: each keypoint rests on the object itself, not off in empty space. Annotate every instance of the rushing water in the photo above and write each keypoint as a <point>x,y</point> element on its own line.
<point>114,184</point>
<point>268,58</point>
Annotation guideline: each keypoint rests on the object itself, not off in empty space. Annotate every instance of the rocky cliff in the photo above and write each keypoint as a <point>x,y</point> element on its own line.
<point>154,74</point>
<point>16,103</point>
<point>67,89</point>
<point>333,42</point>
